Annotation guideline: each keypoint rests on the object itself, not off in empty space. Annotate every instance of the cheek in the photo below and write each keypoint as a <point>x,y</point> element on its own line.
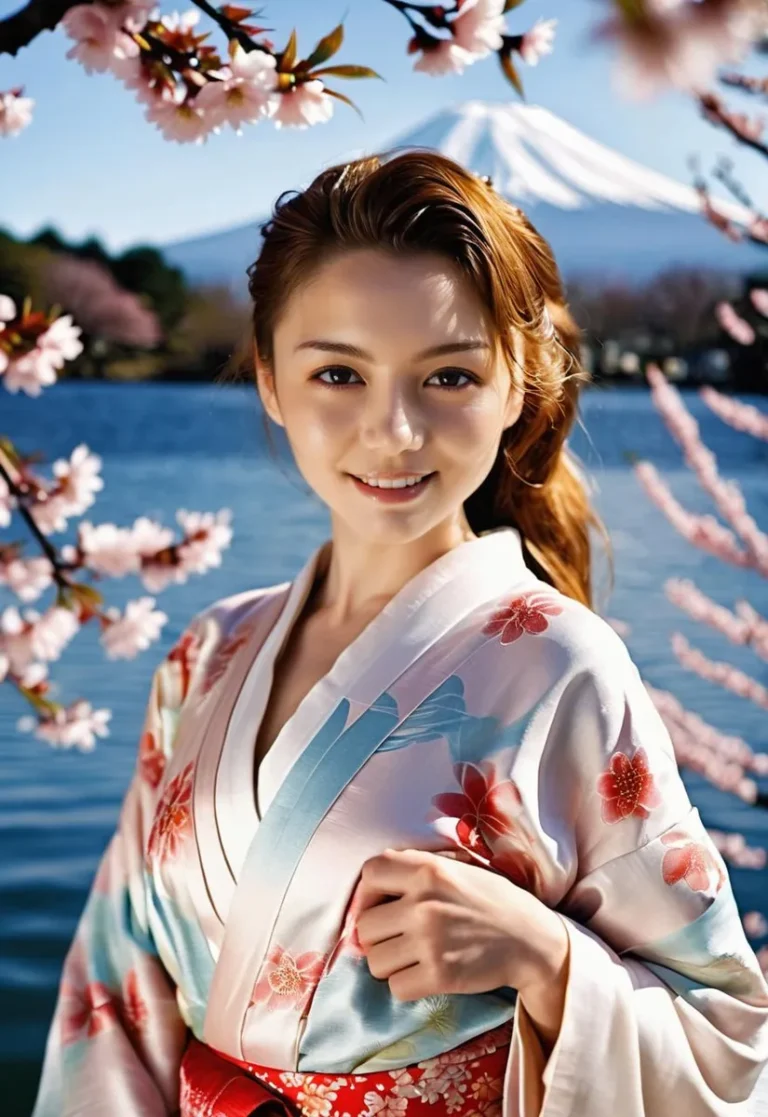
<point>319,428</point>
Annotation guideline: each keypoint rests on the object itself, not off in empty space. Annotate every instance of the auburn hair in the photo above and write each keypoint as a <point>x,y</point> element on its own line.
<point>422,201</point>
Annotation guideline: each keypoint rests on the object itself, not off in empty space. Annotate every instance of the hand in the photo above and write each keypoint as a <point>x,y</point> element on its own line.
<point>435,923</point>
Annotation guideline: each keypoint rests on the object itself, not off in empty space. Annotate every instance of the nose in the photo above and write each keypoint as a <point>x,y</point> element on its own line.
<point>391,423</point>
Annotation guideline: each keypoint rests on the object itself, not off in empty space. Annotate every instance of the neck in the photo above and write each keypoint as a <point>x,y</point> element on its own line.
<point>356,577</point>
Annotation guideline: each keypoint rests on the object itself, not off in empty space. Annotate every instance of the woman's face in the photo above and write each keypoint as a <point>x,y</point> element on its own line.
<point>384,365</point>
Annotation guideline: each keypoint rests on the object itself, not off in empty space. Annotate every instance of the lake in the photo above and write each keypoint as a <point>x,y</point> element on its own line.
<point>166,447</point>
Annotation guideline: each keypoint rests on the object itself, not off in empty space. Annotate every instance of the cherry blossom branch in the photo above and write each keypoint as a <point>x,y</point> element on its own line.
<point>721,759</point>
<point>19,492</point>
<point>745,627</point>
<point>741,416</point>
<point>723,674</point>
<point>18,30</point>
<point>726,495</point>
<point>746,130</point>
<point>745,83</point>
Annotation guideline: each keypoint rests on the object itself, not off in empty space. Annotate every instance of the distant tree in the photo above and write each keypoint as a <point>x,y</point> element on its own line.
<point>143,270</point>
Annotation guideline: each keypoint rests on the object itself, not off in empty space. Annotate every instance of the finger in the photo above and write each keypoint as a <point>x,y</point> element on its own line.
<point>386,958</point>
<point>386,875</point>
<point>381,922</point>
<point>411,984</point>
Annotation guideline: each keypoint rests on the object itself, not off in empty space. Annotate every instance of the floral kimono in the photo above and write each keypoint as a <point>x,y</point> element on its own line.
<point>216,968</point>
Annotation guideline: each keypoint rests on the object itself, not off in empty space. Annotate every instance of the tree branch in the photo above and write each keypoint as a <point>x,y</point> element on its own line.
<point>19,29</point>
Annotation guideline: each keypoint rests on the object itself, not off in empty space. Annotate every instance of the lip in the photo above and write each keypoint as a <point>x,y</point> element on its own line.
<point>393,496</point>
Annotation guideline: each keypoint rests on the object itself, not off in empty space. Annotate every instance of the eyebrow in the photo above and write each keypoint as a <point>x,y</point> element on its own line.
<point>328,346</point>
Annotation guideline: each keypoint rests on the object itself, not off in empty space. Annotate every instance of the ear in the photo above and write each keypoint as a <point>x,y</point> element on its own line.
<point>265,384</point>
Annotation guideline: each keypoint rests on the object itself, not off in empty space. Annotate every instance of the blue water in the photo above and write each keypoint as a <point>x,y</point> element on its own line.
<point>166,447</point>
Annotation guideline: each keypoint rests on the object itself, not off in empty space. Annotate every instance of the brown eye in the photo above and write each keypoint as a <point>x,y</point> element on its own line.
<point>452,373</point>
<point>335,371</point>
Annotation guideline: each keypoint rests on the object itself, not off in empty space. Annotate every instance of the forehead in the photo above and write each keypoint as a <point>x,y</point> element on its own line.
<point>370,291</point>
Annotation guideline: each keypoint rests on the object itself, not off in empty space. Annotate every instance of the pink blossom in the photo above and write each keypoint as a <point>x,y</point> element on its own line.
<point>741,416</point>
<point>35,636</point>
<point>538,41</point>
<point>443,57</point>
<point>98,36</point>
<point>724,674</point>
<point>307,103</point>
<point>735,326</point>
<point>77,725</point>
<point>27,577</point>
<point>29,374</point>
<point>7,502</point>
<point>140,625</point>
<point>7,308</point>
<point>247,92</point>
<point>77,482</point>
<point>5,665</point>
<point>180,119</point>
<point>207,534</point>
<point>181,21</point>
<point>759,299</point>
<point>755,924</point>
<point>108,549</point>
<point>479,26</point>
<point>15,113</point>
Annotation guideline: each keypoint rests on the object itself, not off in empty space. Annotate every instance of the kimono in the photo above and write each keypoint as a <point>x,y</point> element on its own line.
<point>216,963</point>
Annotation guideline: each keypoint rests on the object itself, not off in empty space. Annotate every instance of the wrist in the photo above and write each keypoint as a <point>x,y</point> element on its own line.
<point>548,961</point>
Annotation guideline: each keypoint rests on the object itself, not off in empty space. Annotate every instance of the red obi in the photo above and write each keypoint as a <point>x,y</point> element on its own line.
<point>465,1082</point>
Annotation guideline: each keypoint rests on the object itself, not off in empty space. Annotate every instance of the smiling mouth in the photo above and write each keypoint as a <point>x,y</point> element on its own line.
<point>395,491</point>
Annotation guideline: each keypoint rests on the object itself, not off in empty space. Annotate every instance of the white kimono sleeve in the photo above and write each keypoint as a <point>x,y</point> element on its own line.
<point>117,1036</point>
<point>666,1010</point>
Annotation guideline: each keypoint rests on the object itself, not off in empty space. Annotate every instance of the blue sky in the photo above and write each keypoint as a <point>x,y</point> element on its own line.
<point>90,163</point>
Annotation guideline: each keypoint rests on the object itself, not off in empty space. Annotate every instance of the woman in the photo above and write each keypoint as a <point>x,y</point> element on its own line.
<point>406,835</point>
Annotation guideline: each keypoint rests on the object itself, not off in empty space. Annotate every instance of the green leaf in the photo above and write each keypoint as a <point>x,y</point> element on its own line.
<point>346,100</point>
<point>326,48</point>
<point>288,57</point>
<point>347,72</point>
<point>511,73</point>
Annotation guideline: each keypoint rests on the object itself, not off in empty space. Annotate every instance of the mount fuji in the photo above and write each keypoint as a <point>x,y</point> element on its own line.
<point>602,212</point>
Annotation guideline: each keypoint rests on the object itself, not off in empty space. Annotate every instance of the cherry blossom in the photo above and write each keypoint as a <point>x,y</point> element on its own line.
<point>172,818</point>
<point>7,502</point>
<point>304,105</point>
<point>690,861</point>
<point>207,534</point>
<point>179,118</point>
<point>98,35</point>
<point>15,114</point>
<point>734,325</point>
<point>35,636</point>
<point>479,26</point>
<point>442,56</point>
<point>26,577</point>
<point>140,626</point>
<point>29,374</point>
<point>77,725</point>
<point>107,549</point>
<point>246,93</point>
<point>755,924</point>
<point>759,298</point>
<point>288,981</point>
<point>538,41</point>
<point>78,481</point>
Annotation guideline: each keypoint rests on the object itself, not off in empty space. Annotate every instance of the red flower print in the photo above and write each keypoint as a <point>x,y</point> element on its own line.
<point>490,822</point>
<point>135,1012</point>
<point>151,760</point>
<point>527,613</point>
<point>85,1011</point>
<point>288,981</point>
<point>219,661</point>
<point>172,818</point>
<point>185,652</point>
<point>627,787</point>
<point>690,861</point>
